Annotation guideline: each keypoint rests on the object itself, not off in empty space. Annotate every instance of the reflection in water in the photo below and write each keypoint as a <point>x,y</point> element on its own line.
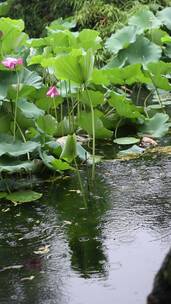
<point>107,252</point>
<point>83,228</point>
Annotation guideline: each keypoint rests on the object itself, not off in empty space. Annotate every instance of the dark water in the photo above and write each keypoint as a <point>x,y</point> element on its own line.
<point>105,252</point>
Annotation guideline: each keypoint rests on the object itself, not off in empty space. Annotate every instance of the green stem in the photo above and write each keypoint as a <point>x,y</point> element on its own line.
<point>138,94</point>
<point>93,133</point>
<point>157,92</point>
<point>145,104</point>
<point>73,106</point>
<point>15,109</point>
<point>56,116</point>
<point>117,127</point>
<point>68,105</point>
<point>23,137</point>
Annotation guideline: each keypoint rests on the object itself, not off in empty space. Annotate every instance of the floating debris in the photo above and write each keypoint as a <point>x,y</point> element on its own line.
<point>11,267</point>
<point>42,250</point>
<point>28,278</point>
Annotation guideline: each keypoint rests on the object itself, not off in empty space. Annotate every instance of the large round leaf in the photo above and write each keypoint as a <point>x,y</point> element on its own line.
<point>121,39</point>
<point>144,20</point>
<point>141,51</point>
<point>47,124</point>
<point>89,39</point>
<point>85,121</point>
<point>76,66</point>
<point>95,97</point>
<point>29,109</point>
<point>124,107</point>
<point>165,17</point>
<point>23,196</point>
<point>13,38</point>
<point>17,148</point>
<point>126,140</point>
<point>14,166</point>
<point>157,126</point>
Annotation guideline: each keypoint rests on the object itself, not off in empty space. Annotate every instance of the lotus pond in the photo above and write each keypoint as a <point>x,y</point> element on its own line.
<point>84,204</point>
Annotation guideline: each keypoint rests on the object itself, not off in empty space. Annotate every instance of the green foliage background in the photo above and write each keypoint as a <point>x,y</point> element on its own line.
<point>104,15</point>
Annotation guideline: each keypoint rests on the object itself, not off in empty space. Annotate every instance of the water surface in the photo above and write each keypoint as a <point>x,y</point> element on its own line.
<point>107,251</point>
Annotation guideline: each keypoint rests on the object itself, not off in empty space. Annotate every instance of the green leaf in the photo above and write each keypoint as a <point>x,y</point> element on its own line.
<point>131,151</point>
<point>12,38</point>
<point>46,159</point>
<point>69,150</point>
<point>141,51</point>
<point>158,36</point>
<point>116,61</point>
<point>133,74</point>
<point>143,20</point>
<point>30,110</point>
<point>60,24</point>
<point>159,73</point>
<point>29,78</point>
<point>17,148</point>
<point>85,122</point>
<point>101,77</point>
<point>3,90</point>
<point>12,166</point>
<point>86,63</point>
<point>166,38</point>
<point>126,140</point>
<point>157,126</point>
<point>5,122</point>
<point>121,39</point>
<point>60,165</point>
<point>82,153</point>
<point>89,39</point>
<point>165,17</point>
<point>96,97</point>
<point>75,66</point>
<point>45,102</point>
<point>28,82</point>
<point>124,107</point>
<point>65,127</point>
<point>128,75</point>
<point>23,196</point>
<point>47,124</point>
<point>36,42</point>
<point>61,41</point>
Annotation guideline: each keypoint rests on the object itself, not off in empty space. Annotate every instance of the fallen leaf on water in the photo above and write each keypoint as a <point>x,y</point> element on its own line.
<point>42,250</point>
<point>28,278</point>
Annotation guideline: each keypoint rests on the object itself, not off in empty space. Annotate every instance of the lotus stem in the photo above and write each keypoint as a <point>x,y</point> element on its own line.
<point>15,109</point>
<point>157,92</point>
<point>93,134</point>
<point>56,116</point>
<point>117,127</point>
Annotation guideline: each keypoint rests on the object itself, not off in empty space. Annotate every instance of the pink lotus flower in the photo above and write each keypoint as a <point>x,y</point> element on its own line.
<point>52,92</point>
<point>11,62</point>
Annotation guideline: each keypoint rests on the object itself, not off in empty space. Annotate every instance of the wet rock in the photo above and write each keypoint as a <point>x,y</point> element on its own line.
<point>147,142</point>
<point>161,293</point>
